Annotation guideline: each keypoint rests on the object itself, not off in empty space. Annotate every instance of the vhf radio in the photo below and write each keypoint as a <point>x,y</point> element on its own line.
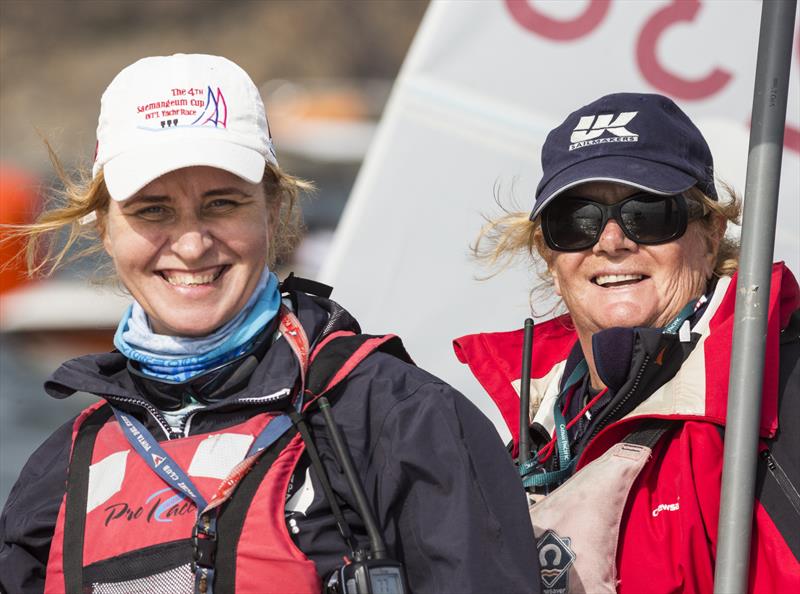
<point>368,572</point>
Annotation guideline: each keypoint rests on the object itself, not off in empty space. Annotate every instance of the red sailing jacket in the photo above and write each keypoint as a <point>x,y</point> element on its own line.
<point>668,533</point>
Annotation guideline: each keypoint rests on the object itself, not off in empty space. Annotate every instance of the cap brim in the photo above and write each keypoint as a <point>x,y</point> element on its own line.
<point>128,172</point>
<point>640,173</point>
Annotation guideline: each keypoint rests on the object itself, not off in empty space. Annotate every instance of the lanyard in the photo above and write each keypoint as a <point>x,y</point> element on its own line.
<point>157,459</point>
<point>566,462</point>
<point>164,466</point>
<point>687,311</point>
<point>562,437</point>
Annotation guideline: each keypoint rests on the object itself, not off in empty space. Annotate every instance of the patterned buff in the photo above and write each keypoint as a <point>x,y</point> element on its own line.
<point>177,358</point>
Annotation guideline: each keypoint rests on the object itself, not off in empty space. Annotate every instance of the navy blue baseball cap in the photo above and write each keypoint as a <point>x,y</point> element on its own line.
<point>641,140</point>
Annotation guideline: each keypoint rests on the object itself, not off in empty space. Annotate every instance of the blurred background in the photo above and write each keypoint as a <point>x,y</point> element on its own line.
<point>325,69</point>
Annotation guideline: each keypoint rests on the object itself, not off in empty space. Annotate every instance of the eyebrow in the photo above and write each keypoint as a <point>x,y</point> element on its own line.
<point>159,198</point>
<point>226,192</point>
<point>146,199</point>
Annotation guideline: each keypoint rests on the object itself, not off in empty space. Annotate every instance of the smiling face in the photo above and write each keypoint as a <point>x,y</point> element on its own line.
<point>618,282</point>
<point>190,247</point>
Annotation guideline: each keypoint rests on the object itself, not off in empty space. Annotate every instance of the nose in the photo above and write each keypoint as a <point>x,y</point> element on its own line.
<point>191,241</point>
<point>613,240</point>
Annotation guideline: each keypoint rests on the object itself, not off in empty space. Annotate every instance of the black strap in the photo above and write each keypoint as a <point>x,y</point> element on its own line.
<point>778,470</point>
<point>77,497</point>
<point>338,351</point>
<point>649,432</point>
<point>312,287</point>
<point>230,521</point>
<point>139,563</point>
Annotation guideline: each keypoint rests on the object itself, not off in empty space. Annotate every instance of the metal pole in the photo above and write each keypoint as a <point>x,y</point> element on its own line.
<point>525,393</point>
<point>752,295</point>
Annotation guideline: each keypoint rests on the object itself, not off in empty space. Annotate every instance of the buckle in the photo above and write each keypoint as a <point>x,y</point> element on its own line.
<point>205,552</point>
<point>204,544</point>
<point>204,528</point>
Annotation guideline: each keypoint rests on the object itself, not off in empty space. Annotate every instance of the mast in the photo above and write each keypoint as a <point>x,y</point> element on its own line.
<point>752,295</point>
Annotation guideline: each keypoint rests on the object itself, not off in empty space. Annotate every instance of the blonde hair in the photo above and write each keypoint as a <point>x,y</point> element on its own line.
<point>79,209</point>
<point>512,238</point>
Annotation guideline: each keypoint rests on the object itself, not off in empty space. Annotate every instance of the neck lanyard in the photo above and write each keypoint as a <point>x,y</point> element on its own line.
<point>560,441</point>
<point>162,464</point>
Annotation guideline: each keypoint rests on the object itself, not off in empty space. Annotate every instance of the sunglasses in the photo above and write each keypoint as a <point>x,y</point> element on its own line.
<point>573,224</point>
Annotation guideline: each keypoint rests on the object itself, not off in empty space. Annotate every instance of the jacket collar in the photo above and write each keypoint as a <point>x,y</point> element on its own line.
<point>698,391</point>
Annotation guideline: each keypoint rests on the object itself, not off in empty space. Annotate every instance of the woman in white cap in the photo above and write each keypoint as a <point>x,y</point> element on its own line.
<point>247,436</point>
<point>629,387</point>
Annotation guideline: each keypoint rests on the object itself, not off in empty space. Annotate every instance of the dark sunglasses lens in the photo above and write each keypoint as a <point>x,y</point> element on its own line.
<point>651,219</point>
<point>573,224</point>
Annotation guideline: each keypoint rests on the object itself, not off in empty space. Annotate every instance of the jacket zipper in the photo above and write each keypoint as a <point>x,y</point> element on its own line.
<point>156,414</point>
<point>187,421</point>
<point>783,481</point>
<point>609,418</point>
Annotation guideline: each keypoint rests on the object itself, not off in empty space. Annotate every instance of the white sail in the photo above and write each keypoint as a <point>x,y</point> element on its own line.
<point>483,83</point>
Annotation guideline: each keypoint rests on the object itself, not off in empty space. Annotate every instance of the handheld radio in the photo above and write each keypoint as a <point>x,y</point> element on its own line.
<point>370,571</point>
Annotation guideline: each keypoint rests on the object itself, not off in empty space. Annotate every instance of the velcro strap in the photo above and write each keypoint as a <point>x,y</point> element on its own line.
<point>305,285</point>
<point>649,432</point>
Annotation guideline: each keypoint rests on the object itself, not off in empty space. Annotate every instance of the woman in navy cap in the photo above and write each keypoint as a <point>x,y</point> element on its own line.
<point>212,460</point>
<point>629,386</point>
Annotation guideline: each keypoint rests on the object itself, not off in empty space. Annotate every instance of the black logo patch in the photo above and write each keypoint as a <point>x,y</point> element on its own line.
<point>555,559</point>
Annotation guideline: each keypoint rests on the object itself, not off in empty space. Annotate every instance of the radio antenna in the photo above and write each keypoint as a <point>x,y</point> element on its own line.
<point>364,510</point>
<point>525,393</point>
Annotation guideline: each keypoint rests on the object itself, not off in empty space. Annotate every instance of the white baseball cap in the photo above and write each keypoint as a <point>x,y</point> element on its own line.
<point>167,112</point>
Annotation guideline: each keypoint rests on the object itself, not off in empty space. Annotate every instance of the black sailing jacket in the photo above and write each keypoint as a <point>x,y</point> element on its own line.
<point>444,490</point>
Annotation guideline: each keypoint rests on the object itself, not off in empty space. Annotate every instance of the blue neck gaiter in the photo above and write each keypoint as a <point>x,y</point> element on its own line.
<point>178,358</point>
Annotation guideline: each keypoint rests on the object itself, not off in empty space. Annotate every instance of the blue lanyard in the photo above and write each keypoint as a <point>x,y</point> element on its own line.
<point>169,471</point>
<point>158,460</point>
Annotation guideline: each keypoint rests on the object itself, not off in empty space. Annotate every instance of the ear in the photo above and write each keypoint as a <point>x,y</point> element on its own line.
<point>553,270</point>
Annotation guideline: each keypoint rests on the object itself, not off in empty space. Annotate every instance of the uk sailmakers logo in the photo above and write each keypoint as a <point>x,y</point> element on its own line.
<point>555,558</point>
<point>603,128</point>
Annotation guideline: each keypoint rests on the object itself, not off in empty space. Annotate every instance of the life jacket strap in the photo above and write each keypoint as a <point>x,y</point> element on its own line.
<point>78,495</point>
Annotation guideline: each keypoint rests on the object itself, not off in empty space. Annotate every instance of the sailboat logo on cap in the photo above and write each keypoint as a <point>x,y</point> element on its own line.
<point>216,111</point>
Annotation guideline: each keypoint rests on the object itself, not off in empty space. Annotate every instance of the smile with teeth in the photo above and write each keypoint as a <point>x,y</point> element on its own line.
<point>187,278</point>
<point>605,280</point>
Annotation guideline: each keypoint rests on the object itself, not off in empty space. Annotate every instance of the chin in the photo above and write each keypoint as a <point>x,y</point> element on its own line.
<point>624,315</point>
<point>187,325</point>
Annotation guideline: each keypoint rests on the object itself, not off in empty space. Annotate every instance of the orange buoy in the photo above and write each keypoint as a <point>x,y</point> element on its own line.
<point>19,203</point>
